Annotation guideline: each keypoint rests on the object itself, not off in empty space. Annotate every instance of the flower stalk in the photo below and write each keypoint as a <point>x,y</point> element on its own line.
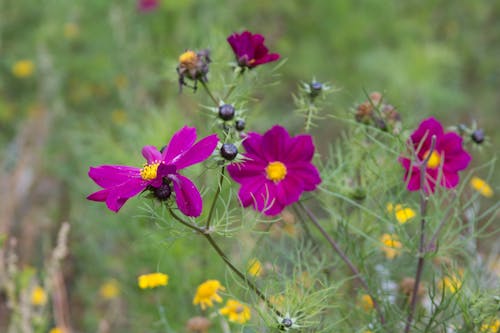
<point>422,250</point>
<point>344,257</point>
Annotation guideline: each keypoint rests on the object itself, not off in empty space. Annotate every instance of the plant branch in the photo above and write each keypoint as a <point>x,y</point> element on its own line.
<point>223,256</point>
<point>216,196</point>
<point>421,249</point>
<point>216,102</point>
<point>344,257</point>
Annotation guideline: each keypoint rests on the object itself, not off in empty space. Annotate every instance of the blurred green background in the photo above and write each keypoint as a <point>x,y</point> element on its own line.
<point>104,85</point>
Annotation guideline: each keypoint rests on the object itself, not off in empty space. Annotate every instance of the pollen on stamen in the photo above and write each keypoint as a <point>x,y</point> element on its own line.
<point>148,172</point>
<point>276,171</point>
<point>434,160</point>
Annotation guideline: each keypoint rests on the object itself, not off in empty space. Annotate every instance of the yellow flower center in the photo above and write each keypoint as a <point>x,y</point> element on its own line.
<point>276,171</point>
<point>434,160</point>
<point>188,58</point>
<point>148,172</point>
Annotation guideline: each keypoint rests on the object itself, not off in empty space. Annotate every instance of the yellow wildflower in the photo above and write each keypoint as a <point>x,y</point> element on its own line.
<point>391,245</point>
<point>56,330</point>
<point>492,327</point>
<point>401,213</point>
<point>38,296</point>
<point>118,116</point>
<point>71,30</point>
<point>366,302</point>
<point>236,311</point>
<point>152,280</point>
<point>207,293</point>
<point>109,289</point>
<point>23,68</point>
<point>481,186</point>
<point>452,283</point>
<point>255,267</point>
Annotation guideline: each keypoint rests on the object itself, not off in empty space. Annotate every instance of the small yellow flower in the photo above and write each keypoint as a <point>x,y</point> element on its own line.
<point>71,30</point>
<point>207,293</point>
<point>56,330</point>
<point>152,280</point>
<point>366,302</point>
<point>452,283</point>
<point>492,327</point>
<point>118,116</point>
<point>109,290</point>
<point>391,246</point>
<point>401,213</point>
<point>38,296</point>
<point>255,267</point>
<point>23,68</point>
<point>481,186</point>
<point>236,311</point>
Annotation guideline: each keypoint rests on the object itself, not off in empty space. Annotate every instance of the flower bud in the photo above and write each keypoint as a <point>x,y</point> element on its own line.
<point>315,88</point>
<point>163,192</point>
<point>477,136</point>
<point>226,112</point>
<point>229,151</point>
<point>239,125</point>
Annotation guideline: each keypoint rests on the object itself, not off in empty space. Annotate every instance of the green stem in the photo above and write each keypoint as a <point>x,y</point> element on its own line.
<point>233,86</point>
<point>216,196</point>
<point>223,256</point>
<point>421,248</point>
<point>344,257</point>
<point>216,102</point>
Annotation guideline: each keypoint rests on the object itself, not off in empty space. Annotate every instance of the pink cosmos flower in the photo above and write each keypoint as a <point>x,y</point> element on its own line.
<point>276,170</point>
<point>159,174</point>
<point>147,5</point>
<point>250,50</point>
<point>444,163</point>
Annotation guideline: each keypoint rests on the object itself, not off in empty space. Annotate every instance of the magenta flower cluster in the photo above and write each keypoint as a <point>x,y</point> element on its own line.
<point>443,162</point>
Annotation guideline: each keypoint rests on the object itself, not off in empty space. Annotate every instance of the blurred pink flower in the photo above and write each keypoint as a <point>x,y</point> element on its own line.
<point>444,162</point>
<point>147,5</point>
<point>250,50</point>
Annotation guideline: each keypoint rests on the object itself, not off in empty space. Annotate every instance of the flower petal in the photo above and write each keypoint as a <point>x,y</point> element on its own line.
<point>422,137</point>
<point>456,158</point>
<point>151,154</point>
<point>113,175</point>
<point>187,196</point>
<point>274,144</point>
<point>181,142</point>
<point>253,146</point>
<point>306,172</point>
<point>300,148</point>
<point>118,195</point>
<point>247,169</point>
<point>197,153</point>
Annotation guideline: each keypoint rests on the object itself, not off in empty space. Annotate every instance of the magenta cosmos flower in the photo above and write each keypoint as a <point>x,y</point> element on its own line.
<point>276,170</point>
<point>147,5</point>
<point>250,50</point>
<point>444,163</point>
<point>159,174</point>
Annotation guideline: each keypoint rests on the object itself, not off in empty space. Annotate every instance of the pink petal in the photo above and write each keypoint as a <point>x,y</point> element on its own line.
<point>422,136</point>
<point>181,142</point>
<point>113,175</point>
<point>253,146</point>
<point>300,148</point>
<point>119,195</point>
<point>187,196</point>
<point>456,158</point>
<point>248,169</point>
<point>151,154</point>
<point>197,153</point>
<point>289,190</point>
<point>274,144</point>
<point>306,172</point>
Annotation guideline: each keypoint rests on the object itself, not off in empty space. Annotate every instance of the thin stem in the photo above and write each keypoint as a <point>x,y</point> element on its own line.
<point>233,86</point>
<point>344,257</point>
<point>242,276</point>
<point>224,257</point>
<point>216,102</point>
<point>431,245</point>
<point>421,248</point>
<point>216,196</point>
